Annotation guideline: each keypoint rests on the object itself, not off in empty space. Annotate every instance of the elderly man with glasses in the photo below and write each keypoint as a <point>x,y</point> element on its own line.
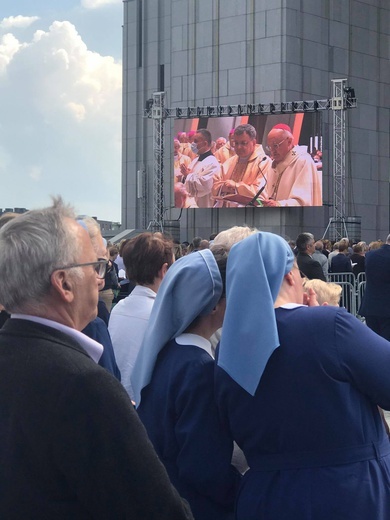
<point>72,445</point>
<point>293,179</point>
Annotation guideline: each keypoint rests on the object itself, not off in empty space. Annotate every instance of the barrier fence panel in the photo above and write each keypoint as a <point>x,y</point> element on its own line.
<point>347,281</point>
<point>353,290</point>
<point>348,297</point>
<point>361,277</point>
<point>359,296</point>
<point>342,277</point>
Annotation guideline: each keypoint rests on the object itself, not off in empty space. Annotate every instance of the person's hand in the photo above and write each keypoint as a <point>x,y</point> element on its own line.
<point>270,203</point>
<point>230,184</point>
<point>310,298</point>
<point>184,170</point>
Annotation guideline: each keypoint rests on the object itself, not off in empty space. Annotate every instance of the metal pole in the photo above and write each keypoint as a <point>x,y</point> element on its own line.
<point>158,116</point>
<point>338,228</point>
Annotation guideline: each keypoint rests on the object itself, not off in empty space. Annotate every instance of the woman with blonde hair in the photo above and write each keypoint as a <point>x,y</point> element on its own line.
<point>328,293</point>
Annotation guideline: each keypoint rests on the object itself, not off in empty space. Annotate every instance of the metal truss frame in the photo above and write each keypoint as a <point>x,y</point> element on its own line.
<point>157,110</point>
<point>289,107</point>
<point>343,98</point>
<point>337,227</point>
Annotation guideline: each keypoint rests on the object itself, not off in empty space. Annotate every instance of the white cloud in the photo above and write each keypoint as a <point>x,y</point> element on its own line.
<point>18,21</point>
<point>9,46</point>
<point>95,4</point>
<point>60,106</point>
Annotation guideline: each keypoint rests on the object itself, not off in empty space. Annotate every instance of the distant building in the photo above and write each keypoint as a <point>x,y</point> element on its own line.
<point>108,225</point>
<point>228,52</point>
<point>109,229</point>
<point>12,210</point>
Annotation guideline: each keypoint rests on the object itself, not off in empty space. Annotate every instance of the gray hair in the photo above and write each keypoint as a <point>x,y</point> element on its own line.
<point>231,236</point>
<point>6,217</point>
<point>32,246</point>
<point>249,129</point>
<point>94,231</point>
<point>302,240</point>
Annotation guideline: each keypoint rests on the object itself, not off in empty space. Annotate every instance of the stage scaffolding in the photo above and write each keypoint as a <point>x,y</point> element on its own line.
<point>343,98</point>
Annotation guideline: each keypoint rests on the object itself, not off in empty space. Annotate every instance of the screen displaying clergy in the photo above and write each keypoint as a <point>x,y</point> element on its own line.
<point>257,160</point>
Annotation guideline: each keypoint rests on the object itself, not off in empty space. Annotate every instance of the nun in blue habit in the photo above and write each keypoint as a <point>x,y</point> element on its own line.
<point>299,387</point>
<point>173,380</point>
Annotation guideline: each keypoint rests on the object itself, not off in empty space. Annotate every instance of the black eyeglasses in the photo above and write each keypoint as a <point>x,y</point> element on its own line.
<point>100,267</point>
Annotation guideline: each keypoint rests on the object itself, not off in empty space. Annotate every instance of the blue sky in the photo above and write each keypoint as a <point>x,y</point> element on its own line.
<point>60,104</point>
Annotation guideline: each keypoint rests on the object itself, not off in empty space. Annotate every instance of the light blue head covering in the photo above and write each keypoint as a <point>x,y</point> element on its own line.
<point>192,287</point>
<point>255,270</point>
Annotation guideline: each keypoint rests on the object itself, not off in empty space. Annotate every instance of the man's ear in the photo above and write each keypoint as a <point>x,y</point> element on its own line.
<point>63,285</point>
<point>289,278</point>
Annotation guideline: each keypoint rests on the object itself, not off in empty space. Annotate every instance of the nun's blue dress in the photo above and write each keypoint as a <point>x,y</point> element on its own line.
<point>173,382</point>
<point>179,413</point>
<point>312,435</point>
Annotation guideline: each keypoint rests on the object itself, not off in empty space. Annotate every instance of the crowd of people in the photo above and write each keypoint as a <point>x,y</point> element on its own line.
<point>231,383</point>
<point>237,171</point>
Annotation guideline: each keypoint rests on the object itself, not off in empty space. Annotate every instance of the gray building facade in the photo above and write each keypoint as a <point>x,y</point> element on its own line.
<point>226,52</point>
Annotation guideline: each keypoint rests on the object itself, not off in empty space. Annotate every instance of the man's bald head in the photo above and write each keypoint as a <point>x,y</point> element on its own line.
<point>279,143</point>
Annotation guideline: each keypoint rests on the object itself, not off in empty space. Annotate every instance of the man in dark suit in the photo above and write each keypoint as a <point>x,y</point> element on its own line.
<point>71,444</point>
<point>340,263</point>
<point>376,300</point>
<point>358,259</point>
<point>309,267</point>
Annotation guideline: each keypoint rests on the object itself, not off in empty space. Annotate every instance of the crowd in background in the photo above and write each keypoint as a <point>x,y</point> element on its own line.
<point>261,396</point>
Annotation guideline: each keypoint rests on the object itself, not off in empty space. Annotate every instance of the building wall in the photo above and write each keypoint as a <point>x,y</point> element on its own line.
<point>221,52</point>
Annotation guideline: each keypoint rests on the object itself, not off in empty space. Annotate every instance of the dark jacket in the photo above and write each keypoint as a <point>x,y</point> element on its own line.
<point>72,446</point>
<point>376,299</point>
<point>360,261</point>
<point>309,267</point>
<point>340,264</point>
<point>98,331</point>
<point>4,316</point>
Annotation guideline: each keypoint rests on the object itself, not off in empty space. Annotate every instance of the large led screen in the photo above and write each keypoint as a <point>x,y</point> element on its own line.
<point>257,160</point>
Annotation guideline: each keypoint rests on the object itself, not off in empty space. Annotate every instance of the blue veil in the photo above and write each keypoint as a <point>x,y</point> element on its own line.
<point>255,271</point>
<point>192,287</point>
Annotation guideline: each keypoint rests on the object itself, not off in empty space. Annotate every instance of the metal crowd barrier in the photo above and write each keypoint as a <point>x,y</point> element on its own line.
<point>361,278</point>
<point>361,287</point>
<point>353,290</point>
